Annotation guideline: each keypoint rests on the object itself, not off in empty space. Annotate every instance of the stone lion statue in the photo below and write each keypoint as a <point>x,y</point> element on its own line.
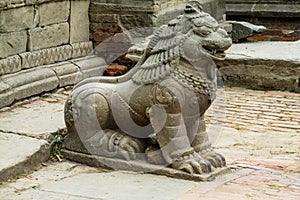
<point>155,111</point>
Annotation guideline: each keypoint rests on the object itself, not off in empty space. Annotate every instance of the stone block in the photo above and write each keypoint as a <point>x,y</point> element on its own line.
<point>32,82</point>
<point>82,49</point>
<point>12,43</point>
<point>6,94</point>
<point>79,21</point>
<point>67,73</point>
<point>242,30</point>
<point>48,36</point>
<point>54,12</point>
<point>18,19</point>
<point>91,66</point>
<point>10,64</point>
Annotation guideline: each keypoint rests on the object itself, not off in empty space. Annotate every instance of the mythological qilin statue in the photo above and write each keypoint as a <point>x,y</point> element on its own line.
<point>159,105</point>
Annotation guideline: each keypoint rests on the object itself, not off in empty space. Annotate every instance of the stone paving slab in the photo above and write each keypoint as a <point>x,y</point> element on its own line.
<point>121,186</point>
<point>38,120</point>
<point>67,180</point>
<point>20,154</point>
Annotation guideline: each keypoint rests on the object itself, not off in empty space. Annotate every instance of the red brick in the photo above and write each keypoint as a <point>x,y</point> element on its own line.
<point>100,37</point>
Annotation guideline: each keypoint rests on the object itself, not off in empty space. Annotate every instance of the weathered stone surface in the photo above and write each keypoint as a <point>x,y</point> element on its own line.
<point>46,56</point>
<point>54,12</point>
<point>17,19</point>
<point>48,36</point>
<point>12,43</point>
<point>242,30</point>
<point>45,119</point>
<point>82,49</point>
<point>10,64</point>
<point>31,82</point>
<point>90,66</point>
<point>20,154</point>
<point>6,94</point>
<point>68,73</point>
<point>79,21</point>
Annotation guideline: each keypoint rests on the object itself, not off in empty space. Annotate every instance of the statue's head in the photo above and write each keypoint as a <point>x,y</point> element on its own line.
<point>203,29</point>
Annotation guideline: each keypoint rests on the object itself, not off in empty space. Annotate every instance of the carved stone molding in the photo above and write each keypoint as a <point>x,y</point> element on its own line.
<point>10,65</point>
<point>55,54</point>
<point>81,49</point>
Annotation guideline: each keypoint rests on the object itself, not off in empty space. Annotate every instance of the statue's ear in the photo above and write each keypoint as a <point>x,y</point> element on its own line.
<point>173,22</point>
<point>194,6</point>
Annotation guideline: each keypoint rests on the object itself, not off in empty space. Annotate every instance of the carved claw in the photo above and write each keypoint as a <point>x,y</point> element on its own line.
<point>129,146</point>
<point>215,159</point>
<point>192,164</point>
<point>205,165</point>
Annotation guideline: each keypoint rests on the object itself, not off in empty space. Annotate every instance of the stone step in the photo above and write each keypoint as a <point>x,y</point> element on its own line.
<point>263,65</point>
<point>20,154</point>
<point>26,132</point>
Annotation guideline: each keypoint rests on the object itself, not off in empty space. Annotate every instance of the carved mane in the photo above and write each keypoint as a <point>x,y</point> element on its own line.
<point>163,52</point>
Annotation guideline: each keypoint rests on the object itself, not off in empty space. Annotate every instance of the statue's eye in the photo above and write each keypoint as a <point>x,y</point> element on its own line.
<point>203,31</point>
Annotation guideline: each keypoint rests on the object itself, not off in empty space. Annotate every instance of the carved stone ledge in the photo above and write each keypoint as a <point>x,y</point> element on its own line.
<point>90,66</point>
<point>10,65</point>
<point>67,73</point>
<point>6,94</point>
<point>31,82</point>
<point>34,81</point>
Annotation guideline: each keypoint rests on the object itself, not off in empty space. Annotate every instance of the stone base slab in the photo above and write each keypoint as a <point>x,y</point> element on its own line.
<point>139,166</point>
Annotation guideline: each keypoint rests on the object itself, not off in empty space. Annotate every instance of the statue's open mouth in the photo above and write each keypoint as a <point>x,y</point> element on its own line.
<point>215,54</point>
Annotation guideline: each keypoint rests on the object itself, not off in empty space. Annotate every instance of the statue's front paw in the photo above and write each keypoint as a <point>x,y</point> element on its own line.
<point>129,146</point>
<point>192,164</point>
<point>215,159</point>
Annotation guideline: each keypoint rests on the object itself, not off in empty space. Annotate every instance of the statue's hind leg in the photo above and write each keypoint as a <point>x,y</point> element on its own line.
<point>91,127</point>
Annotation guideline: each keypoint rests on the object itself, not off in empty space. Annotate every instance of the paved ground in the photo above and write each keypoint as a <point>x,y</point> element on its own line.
<point>258,132</point>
